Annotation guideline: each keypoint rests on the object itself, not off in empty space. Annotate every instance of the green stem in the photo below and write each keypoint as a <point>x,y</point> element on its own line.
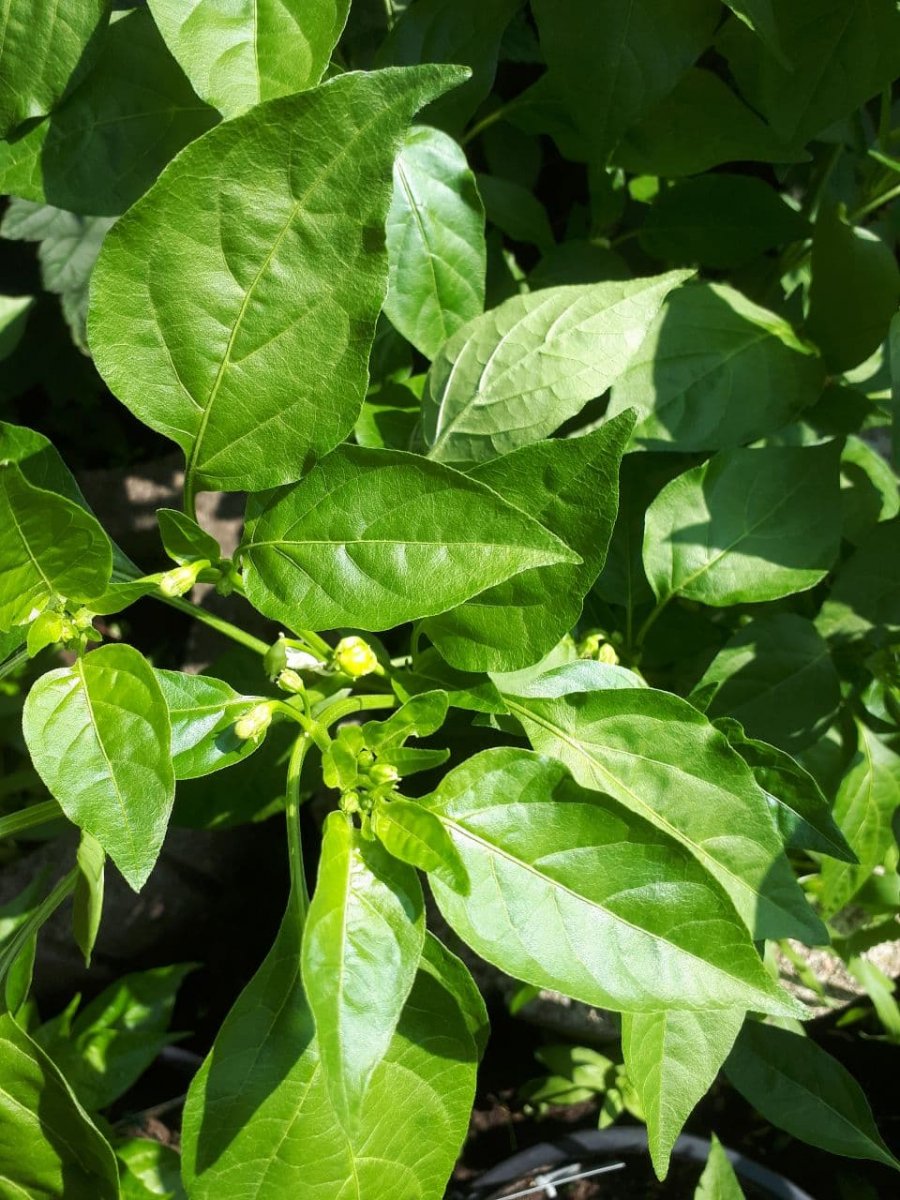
<point>651,621</point>
<point>311,727</point>
<point>226,628</point>
<point>354,704</point>
<point>29,818</point>
<point>35,920</point>
<point>13,662</point>
<point>873,205</point>
<point>299,892</point>
<point>487,121</point>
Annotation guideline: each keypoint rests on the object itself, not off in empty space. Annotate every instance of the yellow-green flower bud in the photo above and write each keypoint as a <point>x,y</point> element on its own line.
<point>383,773</point>
<point>253,724</point>
<point>355,657</point>
<point>290,681</point>
<point>180,580</point>
<point>607,654</point>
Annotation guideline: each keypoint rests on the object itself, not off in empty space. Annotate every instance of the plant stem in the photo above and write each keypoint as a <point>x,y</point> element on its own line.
<point>299,893</point>
<point>487,121</point>
<point>353,704</point>
<point>879,201</point>
<point>35,920</point>
<point>651,621</point>
<point>13,662</point>
<point>226,628</point>
<point>29,818</point>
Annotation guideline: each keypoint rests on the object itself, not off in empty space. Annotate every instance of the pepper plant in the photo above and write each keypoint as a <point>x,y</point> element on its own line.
<point>548,342</point>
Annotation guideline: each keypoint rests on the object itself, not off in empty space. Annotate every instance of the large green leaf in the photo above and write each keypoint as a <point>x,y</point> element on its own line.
<point>802,813</point>
<point>514,375</point>
<point>150,1170</point>
<point>719,221</point>
<point>801,1089</point>
<point>49,1147</point>
<point>435,241</point>
<point>67,250</point>
<point>237,55</point>
<point>776,677</point>
<point>836,54</point>
<point>716,371</point>
<point>451,31</point>
<point>258,1124</point>
<point>866,593</point>
<point>672,1059</point>
<point>699,125</point>
<point>111,137</point>
<point>98,733</point>
<point>571,891</point>
<point>747,526</point>
<point>361,948</point>
<point>571,486</point>
<point>612,62</point>
<point>759,15</point>
<point>657,755</point>
<point>415,836</point>
<point>43,46</point>
<point>112,1041</point>
<point>866,803</point>
<point>203,711</point>
<point>372,538</point>
<point>270,370</point>
<point>854,292</point>
<point>50,547</point>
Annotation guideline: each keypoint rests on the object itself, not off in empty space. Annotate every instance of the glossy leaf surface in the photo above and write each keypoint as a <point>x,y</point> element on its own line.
<point>517,373</point>
<point>87,899</point>
<point>630,744</point>
<point>435,241</point>
<point>258,1121</point>
<point>183,538</point>
<point>99,737</point>
<point>749,525</point>
<point>415,836</point>
<point>109,140</point>
<point>718,1181</point>
<point>49,1147</point>
<point>203,712</point>
<point>571,486</point>
<point>236,56</point>
<point>371,538</point>
<point>672,1058</point>
<point>804,1091</point>
<point>716,371</point>
<point>362,942</point>
<point>263,278</point>
<point>50,547</point>
<point>149,1169</point>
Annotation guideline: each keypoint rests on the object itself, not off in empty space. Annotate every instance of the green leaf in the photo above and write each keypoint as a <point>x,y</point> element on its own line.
<point>258,1124</point>
<point>582,675</point>
<point>718,1181</point>
<point>233,235</point>
<point>87,899</point>
<point>13,313</point>
<point>776,677</point>
<point>719,221</point>
<point>183,539</point>
<point>149,1169</point>
<point>854,292</point>
<point>836,54</point>
<point>514,375</point>
<point>361,948</point>
<point>43,47</point>
<point>613,62</point>
<point>464,689</point>
<point>451,31</point>
<point>672,1059</point>
<point>372,538</point>
<point>802,813</point>
<point>99,736</point>
<point>631,744</point>
<point>866,592</point>
<point>110,138</point>
<point>869,489</point>
<point>700,125</point>
<point>16,916</point>
<point>51,547</point>
<point>419,717</point>
<point>801,1089</point>
<point>115,1038</point>
<point>864,810</point>
<point>203,712</point>
<point>747,526</point>
<point>68,246</point>
<point>415,836</point>
<point>516,211</point>
<point>49,1147</point>
<point>237,56</point>
<point>435,241</point>
<point>570,891</point>
<point>759,15</point>
<point>716,371</point>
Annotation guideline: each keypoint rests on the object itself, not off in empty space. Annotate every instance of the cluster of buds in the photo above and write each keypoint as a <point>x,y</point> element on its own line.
<point>595,645</point>
<point>57,626</point>
<point>375,782</point>
<point>180,580</point>
<point>253,724</point>
<point>289,658</point>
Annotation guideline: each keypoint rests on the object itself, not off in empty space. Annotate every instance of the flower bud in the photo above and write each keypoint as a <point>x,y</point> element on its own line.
<point>355,657</point>
<point>290,681</point>
<point>384,773</point>
<point>607,654</point>
<point>302,660</point>
<point>253,724</point>
<point>180,580</point>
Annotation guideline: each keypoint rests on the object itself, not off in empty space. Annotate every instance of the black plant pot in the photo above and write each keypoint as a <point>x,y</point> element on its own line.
<point>592,1148</point>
